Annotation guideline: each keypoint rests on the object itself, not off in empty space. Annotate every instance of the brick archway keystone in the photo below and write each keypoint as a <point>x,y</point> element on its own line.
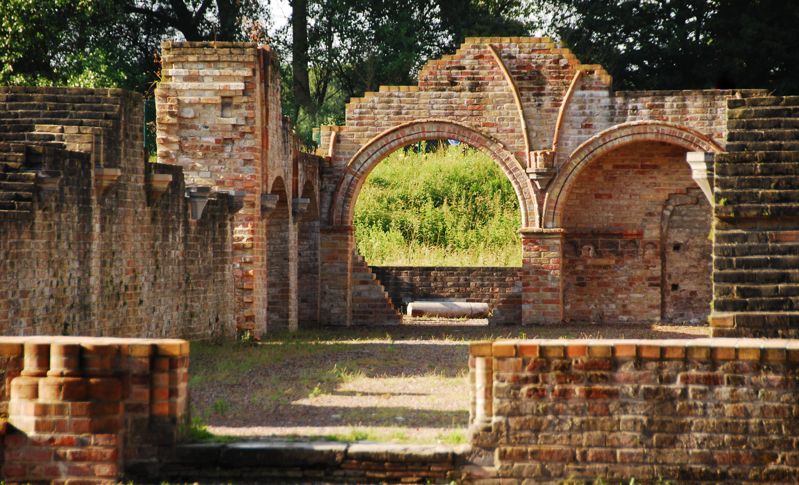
<point>611,139</point>
<point>380,146</point>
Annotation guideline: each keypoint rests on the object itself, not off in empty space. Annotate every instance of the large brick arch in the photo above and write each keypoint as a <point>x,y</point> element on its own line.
<point>379,147</point>
<point>611,139</point>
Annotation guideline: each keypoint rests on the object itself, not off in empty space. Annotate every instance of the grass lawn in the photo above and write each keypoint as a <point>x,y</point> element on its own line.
<point>406,384</point>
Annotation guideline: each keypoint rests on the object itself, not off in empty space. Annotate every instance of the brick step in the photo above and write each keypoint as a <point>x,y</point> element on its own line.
<point>757,262</point>
<point>763,156</point>
<point>763,135</point>
<point>17,186</point>
<point>24,177</point>
<point>757,211</point>
<point>754,249</point>
<point>774,111</point>
<point>763,146</point>
<point>15,125</point>
<point>757,291</point>
<point>753,236</point>
<point>772,182</point>
<point>756,304</point>
<point>757,196</point>
<point>15,205</point>
<point>14,215</point>
<point>765,276</point>
<point>756,169</point>
<point>763,101</point>
<point>763,124</point>
<point>16,196</point>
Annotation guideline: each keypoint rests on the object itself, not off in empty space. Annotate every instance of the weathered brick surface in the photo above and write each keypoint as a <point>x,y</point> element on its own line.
<point>755,276</point>
<point>80,258</point>
<point>499,287</point>
<point>548,120</point>
<point>83,409</point>
<point>220,118</point>
<point>690,411</point>
<point>633,249</point>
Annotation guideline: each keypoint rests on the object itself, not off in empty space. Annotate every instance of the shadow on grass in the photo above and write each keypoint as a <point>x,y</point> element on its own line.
<point>402,376</point>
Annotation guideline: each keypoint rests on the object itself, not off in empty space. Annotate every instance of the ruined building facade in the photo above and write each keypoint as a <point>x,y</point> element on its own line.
<point>619,205</point>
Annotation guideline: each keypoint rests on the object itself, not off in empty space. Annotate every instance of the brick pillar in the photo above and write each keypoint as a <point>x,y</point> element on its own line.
<point>542,290</point>
<point>335,247</point>
<point>67,420</point>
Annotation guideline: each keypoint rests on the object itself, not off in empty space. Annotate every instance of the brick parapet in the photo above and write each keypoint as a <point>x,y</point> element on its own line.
<point>86,408</point>
<point>643,409</point>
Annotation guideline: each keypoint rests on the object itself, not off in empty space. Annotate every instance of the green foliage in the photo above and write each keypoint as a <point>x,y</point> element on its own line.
<point>682,45</point>
<point>452,206</point>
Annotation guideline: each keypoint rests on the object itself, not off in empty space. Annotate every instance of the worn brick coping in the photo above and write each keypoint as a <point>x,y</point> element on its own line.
<point>705,349</point>
<point>14,346</point>
<point>328,460</point>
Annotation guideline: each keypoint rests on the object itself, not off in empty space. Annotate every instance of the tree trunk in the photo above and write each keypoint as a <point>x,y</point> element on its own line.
<point>299,56</point>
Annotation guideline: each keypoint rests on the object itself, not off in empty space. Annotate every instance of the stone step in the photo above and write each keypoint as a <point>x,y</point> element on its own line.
<point>7,186</point>
<point>757,291</point>
<point>13,205</point>
<point>763,135</point>
<point>752,236</point>
<point>22,177</point>
<point>765,276</point>
<point>757,211</point>
<point>8,215</point>
<point>763,124</point>
<point>774,182</point>
<point>16,196</point>
<point>744,249</point>
<point>763,156</point>
<point>756,304</point>
<point>763,101</point>
<point>757,196</point>
<point>763,146</point>
<point>757,169</point>
<point>757,262</point>
<point>774,111</point>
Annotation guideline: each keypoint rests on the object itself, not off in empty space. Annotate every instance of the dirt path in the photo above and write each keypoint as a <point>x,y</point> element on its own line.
<point>406,383</point>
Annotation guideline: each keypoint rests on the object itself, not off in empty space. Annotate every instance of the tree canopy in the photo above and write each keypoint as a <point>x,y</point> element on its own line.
<point>336,49</point>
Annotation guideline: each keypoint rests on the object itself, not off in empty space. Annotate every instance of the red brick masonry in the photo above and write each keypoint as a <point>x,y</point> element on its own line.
<point>705,410</point>
<point>85,408</point>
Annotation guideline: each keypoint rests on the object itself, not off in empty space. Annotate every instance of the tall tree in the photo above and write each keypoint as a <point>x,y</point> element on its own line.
<point>682,44</point>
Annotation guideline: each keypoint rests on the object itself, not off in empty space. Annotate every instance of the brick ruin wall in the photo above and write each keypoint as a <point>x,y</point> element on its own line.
<point>690,411</point>
<point>84,253</point>
<point>220,118</point>
<point>756,223</point>
<point>499,287</point>
<point>636,245</point>
<point>89,409</point>
<point>535,108</point>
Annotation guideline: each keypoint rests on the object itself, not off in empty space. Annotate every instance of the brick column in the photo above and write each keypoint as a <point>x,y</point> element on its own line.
<point>67,420</point>
<point>335,248</point>
<point>542,290</point>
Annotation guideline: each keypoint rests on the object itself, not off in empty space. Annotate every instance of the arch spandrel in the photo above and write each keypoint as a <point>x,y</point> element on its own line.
<point>380,146</point>
<point>609,140</point>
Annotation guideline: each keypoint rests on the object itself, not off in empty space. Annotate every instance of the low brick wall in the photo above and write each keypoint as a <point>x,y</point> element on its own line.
<point>86,409</point>
<point>704,410</point>
<point>500,287</point>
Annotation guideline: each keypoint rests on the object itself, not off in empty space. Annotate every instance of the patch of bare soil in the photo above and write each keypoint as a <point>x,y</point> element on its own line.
<point>406,383</point>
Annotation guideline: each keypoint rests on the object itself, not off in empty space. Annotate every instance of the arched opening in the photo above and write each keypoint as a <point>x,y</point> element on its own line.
<point>278,264</point>
<point>499,288</point>
<point>308,260</point>
<point>375,150</point>
<point>635,244</point>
